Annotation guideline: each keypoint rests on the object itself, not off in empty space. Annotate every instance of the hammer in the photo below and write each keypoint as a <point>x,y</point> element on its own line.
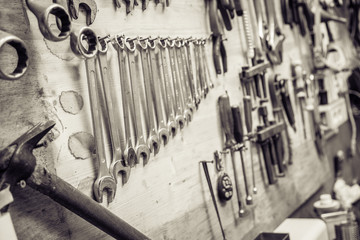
<point>18,163</point>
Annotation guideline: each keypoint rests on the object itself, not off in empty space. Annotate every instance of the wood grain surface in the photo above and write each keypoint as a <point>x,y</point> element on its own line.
<point>169,197</point>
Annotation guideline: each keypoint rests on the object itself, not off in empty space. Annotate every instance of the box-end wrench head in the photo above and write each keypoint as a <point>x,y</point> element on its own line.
<point>89,6</point>
<point>23,60</point>
<point>141,148</point>
<point>84,44</point>
<point>42,11</point>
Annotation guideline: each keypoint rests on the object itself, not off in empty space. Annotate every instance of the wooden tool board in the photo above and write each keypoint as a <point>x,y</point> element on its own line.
<point>169,197</point>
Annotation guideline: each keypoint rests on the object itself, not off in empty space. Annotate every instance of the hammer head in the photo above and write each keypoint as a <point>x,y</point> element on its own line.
<point>18,155</point>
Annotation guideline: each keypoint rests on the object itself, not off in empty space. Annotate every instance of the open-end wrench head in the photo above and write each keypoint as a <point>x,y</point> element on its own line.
<point>188,114</point>
<point>105,183</point>
<point>172,126</point>
<point>23,60</point>
<point>78,39</point>
<point>164,135</point>
<point>119,167</point>
<point>142,152</point>
<point>180,120</point>
<point>42,11</point>
<point>89,6</point>
<point>130,157</point>
<point>154,144</point>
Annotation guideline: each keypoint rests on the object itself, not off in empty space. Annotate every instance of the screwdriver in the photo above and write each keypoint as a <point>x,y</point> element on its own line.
<point>239,137</point>
<point>248,124</point>
<point>227,126</point>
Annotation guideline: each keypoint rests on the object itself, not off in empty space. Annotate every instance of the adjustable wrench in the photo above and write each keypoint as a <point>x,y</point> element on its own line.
<point>104,180</point>
<point>129,154</point>
<point>179,117</point>
<point>181,80</point>
<point>42,11</point>
<point>157,91</point>
<point>118,165</point>
<point>153,139</point>
<point>141,148</point>
<point>169,103</point>
<point>89,6</point>
<point>21,51</point>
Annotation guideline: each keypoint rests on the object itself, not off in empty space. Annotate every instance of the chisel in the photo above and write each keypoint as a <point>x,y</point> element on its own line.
<point>248,124</point>
<point>239,137</point>
<point>227,125</point>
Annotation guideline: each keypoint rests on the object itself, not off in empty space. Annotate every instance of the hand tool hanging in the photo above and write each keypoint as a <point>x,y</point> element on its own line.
<point>299,92</point>
<point>224,183</point>
<point>104,180</point>
<point>42,11</point>
<point>227,126</point>
<point>276,97</point>
<point>239,137</point>
<point>217,29</point>
<point>128,151</point>
<point>207,175</point>
<point>112,119</point>
<point>152,136</point>
<point>137,104</point>
<point>18,163</point>
<point>22,56</point>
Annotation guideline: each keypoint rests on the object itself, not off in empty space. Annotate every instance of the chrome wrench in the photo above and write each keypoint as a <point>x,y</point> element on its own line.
<point>104,180</point>
<point>195,94</point>
<point>129,154</point>
<point>169,103</point>
<point>206,65</point>
<point>179,117</point>
<point>199,83</point>
<point>203,79</point>
<point>157,92</point>
<point>118,165</point>
<point>181,80</point>
<point>190,100</point>
<point>141,148</point>
<point>152,136</point>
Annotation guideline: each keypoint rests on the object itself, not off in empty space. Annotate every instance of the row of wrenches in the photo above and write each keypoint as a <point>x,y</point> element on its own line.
<point>162,82</point>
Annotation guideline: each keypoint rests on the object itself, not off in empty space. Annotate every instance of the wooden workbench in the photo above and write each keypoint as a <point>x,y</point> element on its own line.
<point>169,197</point>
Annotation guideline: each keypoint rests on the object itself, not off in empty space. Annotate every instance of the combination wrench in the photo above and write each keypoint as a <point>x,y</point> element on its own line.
<point>165,78</point>
<point>179,117</point>
<point>204,81</point>
<point>141,148</point>
<point>206,65</point>
<point>199,77</point>
<point>104,180</point>
<point>22,56</point>
<point>193,89</point>
<point>152,136</point>
<point>181,80</point>
<point>42,11</point>
<point>157,92</point>
<point>128,151</point>
<point>118,165</point>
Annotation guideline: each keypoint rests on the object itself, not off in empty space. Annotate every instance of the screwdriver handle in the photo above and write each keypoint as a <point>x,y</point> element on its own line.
<point>247,113</point>
<point>267,159</point>
<point>286,102</point>
<point>226,120</point>
<point>238,126</point>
